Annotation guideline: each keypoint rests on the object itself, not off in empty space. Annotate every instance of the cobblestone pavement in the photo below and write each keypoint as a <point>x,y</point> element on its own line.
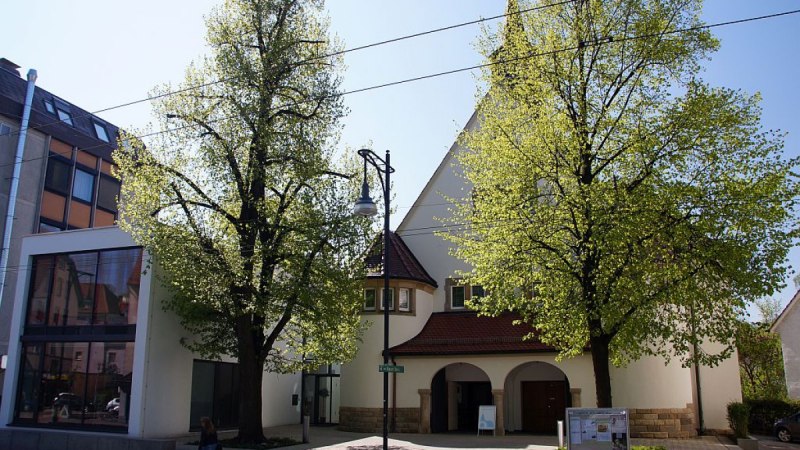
<point>329,438</point>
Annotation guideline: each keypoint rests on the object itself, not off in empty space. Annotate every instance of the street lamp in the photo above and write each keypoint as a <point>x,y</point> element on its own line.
<point>365,206</point>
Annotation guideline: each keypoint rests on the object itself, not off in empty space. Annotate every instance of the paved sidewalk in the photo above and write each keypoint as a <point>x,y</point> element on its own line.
<point>329,438</point>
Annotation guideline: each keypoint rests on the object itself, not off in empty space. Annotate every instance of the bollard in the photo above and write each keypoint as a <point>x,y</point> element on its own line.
<point>306,420</point>
<point>560,434</point>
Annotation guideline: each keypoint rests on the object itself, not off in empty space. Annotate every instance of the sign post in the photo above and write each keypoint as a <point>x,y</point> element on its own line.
<point>597,429</point>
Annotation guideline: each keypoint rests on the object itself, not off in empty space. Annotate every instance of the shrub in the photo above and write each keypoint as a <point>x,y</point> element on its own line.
<point>763,413</point>
<point>738,418</point>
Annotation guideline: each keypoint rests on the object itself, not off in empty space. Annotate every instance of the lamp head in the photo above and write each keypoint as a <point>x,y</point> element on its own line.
<point>365,206</point>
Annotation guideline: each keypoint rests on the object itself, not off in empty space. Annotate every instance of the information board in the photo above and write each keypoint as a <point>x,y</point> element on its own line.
<point>597,429</point>
<point>487,417</point>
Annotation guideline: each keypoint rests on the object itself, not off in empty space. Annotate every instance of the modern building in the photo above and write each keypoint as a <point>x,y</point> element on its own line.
<point>87,345</point>
<point>454,361</point>
<point>65,179</point>
<point>787,325</point>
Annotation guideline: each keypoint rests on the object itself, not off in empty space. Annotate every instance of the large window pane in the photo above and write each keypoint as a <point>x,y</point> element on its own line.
<point>84,185</point>
<point>108,193</point>
<point>117,296</point>
<point>57,177</point>
<point>40,286</point>
<point>29,383</point>
<point>109,383</point>
<point>63,398</point>
<point>73,290</point>
<point>76,383</point>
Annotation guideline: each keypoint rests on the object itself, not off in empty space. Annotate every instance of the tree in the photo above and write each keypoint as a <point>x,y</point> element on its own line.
<point>617,199</point>
<point>769,309</point>
<point>240,204</point>
<point>760,362</point>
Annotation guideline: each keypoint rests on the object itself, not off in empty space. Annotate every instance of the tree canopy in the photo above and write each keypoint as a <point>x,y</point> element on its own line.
<point>240,204</point>
<point>617,199</point>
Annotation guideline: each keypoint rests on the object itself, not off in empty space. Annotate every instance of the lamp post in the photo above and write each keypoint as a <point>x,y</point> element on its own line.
<point>365,206</point>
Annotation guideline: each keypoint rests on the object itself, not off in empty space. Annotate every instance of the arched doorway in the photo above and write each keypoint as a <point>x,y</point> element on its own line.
<point>457,390</point>
<point>536,397</point>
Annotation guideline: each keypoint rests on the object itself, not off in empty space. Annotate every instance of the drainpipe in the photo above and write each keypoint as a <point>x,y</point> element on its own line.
<point>12,196</point>
<point>696,349</point>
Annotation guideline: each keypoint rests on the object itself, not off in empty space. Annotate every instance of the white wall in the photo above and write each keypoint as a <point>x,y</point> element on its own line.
<point>162,367</point>
<point>415,229</point>
<point>649,383</point>
<point>361,383</point>
<point>788,327</point>
<point>719,386</point>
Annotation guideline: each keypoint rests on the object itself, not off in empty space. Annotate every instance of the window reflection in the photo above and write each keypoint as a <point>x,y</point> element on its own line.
<point>117,296</point>
<point>84,384</point>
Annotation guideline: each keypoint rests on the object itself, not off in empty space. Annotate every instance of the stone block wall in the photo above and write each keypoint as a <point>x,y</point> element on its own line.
<point>663,423</point>
<point>370,420</point>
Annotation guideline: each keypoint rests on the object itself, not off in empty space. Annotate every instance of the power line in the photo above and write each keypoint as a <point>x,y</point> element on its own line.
<point>607,41</point>
<point>328,55</point>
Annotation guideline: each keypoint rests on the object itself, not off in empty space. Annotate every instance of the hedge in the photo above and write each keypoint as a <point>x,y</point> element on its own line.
<point>764,413</point>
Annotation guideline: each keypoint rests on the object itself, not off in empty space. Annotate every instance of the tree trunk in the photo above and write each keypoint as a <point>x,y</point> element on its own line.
<point>602,375</point>
<point>251,373</point>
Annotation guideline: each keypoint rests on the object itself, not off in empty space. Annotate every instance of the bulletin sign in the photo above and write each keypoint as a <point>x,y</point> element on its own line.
<point>597,429</point>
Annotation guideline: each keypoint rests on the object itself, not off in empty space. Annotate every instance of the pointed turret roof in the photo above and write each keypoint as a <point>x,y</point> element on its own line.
<point>402,263</point>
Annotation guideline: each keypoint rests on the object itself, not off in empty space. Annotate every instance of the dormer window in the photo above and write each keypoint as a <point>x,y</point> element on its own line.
<point>100,130</point>
<point>65,116</point>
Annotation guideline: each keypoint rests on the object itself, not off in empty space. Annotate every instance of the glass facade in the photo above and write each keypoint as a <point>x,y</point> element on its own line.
<point>78,340</point>
<point>80,190</point>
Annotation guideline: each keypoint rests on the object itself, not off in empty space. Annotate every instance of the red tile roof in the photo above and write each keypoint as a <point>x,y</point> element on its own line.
<point>464,333</point>
<point>402,263</point>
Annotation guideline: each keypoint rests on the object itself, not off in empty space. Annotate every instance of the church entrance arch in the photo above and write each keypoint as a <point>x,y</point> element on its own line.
<point>536,398</point>
<point>457,390</point>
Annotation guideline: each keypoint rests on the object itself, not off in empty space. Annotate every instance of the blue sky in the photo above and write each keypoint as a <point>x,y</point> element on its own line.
<point>98,54</point>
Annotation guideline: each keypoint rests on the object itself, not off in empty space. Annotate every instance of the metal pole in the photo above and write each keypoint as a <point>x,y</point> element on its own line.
<point>12,195</point>
<point>386,199</point>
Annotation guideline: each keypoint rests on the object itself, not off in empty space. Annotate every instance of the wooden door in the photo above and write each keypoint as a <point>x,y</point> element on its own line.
<point>543,404</point>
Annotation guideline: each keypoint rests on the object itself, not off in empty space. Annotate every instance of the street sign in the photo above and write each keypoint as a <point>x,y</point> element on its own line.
<point>391,368</point>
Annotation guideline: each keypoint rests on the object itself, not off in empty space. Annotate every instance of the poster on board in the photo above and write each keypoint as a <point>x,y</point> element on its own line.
<point>487,417</point>
<point>597,429</point>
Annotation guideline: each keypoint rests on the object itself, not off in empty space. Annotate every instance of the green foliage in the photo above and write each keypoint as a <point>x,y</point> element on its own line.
<point>240,204</point>
<point>738,418</point>
<point>760,362</point>
<point>764,413</point>
<point>616,197</point>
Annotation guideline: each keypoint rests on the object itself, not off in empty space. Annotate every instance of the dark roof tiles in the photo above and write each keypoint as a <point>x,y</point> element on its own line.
<point>464,333</point>
<point>402,263</point>
<point>81,134</point>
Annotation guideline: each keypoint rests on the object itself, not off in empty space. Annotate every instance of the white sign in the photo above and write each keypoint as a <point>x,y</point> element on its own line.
<point>597,429</point>
<point>487,417</point>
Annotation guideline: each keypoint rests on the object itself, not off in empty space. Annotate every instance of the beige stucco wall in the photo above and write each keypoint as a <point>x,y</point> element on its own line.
<point>361,383</point>
<point>650,383</point>
<point>26,212</point>
<point>431,205</point>
<point>788,327</point>
<point>719,386</point>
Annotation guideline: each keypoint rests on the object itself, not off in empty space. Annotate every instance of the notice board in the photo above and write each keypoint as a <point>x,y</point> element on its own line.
<point>487,417</point>
<point>597,429</point>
